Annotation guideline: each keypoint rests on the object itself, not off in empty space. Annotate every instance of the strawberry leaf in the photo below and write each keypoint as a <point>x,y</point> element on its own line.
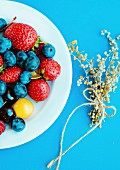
<point>36,44</point>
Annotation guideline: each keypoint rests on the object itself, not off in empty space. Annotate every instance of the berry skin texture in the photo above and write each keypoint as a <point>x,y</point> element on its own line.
<point>1,61</point>
<point>50,69</point>
<point>42,57</point>
<point>1,102</point>
<point>2,127</point>
<point>21,57</point>
<point>32,62</point>
<point>3,23</point>
<point>25,77</point>
<point>9,59</point>
<point>11,74</point>
<point>5,44</point>
<point>18,124</point>
<point>20,90</point>
<point>23,108</point>
<point>38,50</point>
<point>48,50</point>
<point>2,87</point>
<point>38,89</point>
<point>23,36</point>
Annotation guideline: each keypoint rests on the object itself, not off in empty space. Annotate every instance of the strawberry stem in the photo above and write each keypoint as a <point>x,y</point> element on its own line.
<point>8,24</point>
<point>2,69</point>
<point>34,78</point>
<point>36,43</point>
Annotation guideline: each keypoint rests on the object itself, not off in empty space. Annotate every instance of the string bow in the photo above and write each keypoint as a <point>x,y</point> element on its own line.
<point>96,102</point>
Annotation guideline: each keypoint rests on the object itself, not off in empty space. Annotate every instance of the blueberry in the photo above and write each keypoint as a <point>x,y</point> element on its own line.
<point>18,124</point>
<point>1,102</point>
<point>25,77</point>
<point>20,90</point>
<point>21,57</point>
<point>5,44</point>
<point>48,50</point>
<point>3,23</point>
<point>32,62</point>
<point>7,114</point>
<point>9,58</point>
<point>2,87</point>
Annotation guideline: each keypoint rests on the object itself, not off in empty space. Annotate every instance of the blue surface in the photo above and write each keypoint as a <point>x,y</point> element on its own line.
<point>81,20</point>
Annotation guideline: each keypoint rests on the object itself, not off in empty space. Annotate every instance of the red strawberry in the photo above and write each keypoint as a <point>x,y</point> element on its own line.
<point>50,69</point>
<point>23,36</point>
<point>1,61</point>
<point>2,127</point>
<point>38,89</point>
<point>11,74</point>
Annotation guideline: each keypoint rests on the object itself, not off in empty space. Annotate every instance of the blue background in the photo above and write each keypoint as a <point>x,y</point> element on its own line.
<point>82,20</point>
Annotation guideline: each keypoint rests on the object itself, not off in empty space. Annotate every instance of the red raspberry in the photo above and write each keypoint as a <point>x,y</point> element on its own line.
<point>38,50</point>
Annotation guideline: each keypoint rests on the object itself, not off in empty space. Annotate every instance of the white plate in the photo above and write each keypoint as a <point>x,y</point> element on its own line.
<point>45,112</point>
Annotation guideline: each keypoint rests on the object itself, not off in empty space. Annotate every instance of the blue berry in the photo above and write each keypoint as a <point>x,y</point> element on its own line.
<point>20,90</point>
<point>9,58</point>
<point>5,44</point>
<point>21,57</point>
<point>1,102</point>
<point>3,23</point>
<point>48,50</point>
<point>2,87</point>
<point>18,124</point>
<point>7,114</point>
<point>25,77</point>
<point>32,62</point>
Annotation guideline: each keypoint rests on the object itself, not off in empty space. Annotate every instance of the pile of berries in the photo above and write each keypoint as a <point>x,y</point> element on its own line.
<point>26,64</point>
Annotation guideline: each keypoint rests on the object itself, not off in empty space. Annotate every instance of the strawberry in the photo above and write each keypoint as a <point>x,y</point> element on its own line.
<point>1,61</point>
<point>2,127</point>
<point>23,36</point>
<point>50,69</point>
<point>38,89</point>
<point>11,74</point>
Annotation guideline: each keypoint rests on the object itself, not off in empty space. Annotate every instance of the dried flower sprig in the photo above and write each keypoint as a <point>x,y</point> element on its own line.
<point>100,80</point>
<point>104,77</point>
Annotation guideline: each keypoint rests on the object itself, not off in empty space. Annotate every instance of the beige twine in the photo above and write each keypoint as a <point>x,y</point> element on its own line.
<point>96,102</point>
